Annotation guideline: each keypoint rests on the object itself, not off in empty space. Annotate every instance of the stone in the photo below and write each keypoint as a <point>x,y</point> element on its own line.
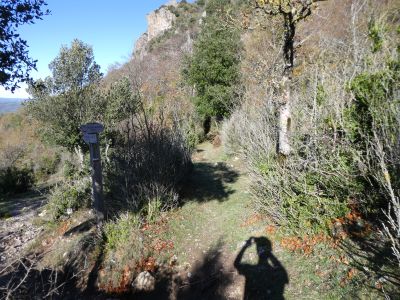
<point>159,21</point>
<point>144,282</point>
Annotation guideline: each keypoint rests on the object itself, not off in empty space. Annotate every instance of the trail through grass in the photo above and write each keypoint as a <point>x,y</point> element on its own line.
<point>212,227</point>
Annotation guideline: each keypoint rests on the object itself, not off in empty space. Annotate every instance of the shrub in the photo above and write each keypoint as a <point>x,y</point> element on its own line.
<point>344,140</point>
<point>46,166</point>
<point>123,251</point>
<point>147,165</point>
<point>71,194</point>
<point>121,231</point>
<point>15,180</point>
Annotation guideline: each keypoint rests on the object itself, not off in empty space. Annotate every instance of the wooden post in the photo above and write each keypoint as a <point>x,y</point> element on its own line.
<point>91,137</point>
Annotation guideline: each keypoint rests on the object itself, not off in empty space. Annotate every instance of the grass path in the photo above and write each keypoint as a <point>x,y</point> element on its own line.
<point>218,204</point>
<point>211,229</point>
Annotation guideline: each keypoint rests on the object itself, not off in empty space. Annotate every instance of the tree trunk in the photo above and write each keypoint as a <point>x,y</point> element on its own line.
<point>206,125</point>
<point>284,121</point>
<point>284,110</point>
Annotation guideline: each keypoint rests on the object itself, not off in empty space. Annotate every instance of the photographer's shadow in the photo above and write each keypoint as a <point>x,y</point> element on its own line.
<point>265,280</point>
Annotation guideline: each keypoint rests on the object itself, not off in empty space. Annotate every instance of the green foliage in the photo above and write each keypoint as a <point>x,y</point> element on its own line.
<point>375,33</point>
<point>301,198</point>
<point>69,98</point>
<point>372,126</point>
<point>47,165</point>
<point>124,248</point>
<point>213,69</point>
<point>121,102</point>
<point>321,95</point>
<point>15,180</point>
<point>74,68</point>
<point>119,232</point>
<point>70,194</point>
<point>15,64</point>
<point>201,3</point>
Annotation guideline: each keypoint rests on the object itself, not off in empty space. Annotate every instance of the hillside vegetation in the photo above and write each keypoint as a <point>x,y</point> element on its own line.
<point>244,124</point>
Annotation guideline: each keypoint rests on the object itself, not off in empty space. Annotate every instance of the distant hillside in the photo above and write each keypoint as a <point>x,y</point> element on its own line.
<point>10,104</point>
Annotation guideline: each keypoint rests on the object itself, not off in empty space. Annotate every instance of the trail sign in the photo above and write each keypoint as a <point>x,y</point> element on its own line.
<point>91,136</point>
<point>92,128</point>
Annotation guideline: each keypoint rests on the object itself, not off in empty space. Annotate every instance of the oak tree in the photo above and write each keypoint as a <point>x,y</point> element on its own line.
<point>15,63</point>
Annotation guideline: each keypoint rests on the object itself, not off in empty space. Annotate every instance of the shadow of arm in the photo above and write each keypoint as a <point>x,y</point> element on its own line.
<point>238,260</point>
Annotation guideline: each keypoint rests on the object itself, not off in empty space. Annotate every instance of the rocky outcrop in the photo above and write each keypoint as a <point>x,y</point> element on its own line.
<point>159,21</point>
<point>140,45</point>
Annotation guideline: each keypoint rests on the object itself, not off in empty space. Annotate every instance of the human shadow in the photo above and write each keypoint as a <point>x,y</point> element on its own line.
<point>268,278</point>
<point>209,181</point>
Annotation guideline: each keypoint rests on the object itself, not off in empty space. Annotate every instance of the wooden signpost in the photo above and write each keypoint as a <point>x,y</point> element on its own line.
<point>91,137</point>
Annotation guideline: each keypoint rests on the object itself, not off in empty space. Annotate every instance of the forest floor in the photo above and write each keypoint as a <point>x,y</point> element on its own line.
<point>222,248</point>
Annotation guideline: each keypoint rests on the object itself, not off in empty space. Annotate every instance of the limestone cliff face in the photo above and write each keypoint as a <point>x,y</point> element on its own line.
<point>158,21</point>
<point>140,45</point>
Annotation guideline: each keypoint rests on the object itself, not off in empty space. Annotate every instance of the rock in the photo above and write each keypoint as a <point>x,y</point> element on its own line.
<point>144,282</point>
<point>159,21</point>
<point>337,229</point>
<point>140,46</point>
<point>173,260</point>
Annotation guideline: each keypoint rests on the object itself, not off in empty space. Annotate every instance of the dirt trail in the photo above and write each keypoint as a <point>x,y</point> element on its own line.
<point>16,227</point>
<point>212,229</point>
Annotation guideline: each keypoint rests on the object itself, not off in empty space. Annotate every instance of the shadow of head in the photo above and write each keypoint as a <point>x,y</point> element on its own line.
<point>263,246</point>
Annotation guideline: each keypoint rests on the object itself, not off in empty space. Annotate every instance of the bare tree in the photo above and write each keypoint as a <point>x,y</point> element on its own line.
<point>292,12</point>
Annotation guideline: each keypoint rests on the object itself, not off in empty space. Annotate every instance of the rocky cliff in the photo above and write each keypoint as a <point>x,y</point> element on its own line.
<point>158,21</point>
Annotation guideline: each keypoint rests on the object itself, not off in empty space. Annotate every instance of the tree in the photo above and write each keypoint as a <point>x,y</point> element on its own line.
<point>15,64</point>
<point>70,97</point>
<point>213,69</point>
<point>292,12</point>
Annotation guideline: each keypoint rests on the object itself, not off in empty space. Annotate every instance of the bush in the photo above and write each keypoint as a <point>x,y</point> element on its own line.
<point>46,166</point>
<point>121,231</point>
<point>345,140</point>
<point>15,180</point>
<point>69,195</point>
<point>124,249</point>
<point>147,166</point>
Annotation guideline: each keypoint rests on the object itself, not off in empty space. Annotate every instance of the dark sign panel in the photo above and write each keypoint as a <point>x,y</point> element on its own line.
<point>92,128</point>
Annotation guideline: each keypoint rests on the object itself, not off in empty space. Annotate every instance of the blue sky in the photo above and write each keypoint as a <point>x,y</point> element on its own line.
<point>110,27</point>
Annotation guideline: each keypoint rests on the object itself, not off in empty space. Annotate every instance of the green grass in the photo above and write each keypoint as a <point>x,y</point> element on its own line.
<point>215,215</point>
